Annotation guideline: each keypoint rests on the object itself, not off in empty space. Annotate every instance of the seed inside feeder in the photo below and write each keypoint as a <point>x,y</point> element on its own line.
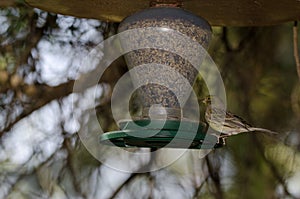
<point>162,43</point>
<point>167,19</point>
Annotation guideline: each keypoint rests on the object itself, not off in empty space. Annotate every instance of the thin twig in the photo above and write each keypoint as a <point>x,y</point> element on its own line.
<point>44,95</point>
<point>243,42</point>
<point>225,40</point>
<point>70,164</point>
<point>199,188</point>
<point>294,95</point>
<point>232,53</point>
<point>135,174</point>
<point>215,178</point>
<point>296,51</point>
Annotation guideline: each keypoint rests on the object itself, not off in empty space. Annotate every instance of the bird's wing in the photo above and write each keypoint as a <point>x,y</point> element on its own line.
<point>236,120</point>
<point>226,122</point>
<point>229,124</point>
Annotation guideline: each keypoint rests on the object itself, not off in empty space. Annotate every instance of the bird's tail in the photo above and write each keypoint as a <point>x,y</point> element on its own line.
<point>263,130</point>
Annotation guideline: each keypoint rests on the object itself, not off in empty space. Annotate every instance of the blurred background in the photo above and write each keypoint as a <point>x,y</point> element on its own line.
<point>41,155</point>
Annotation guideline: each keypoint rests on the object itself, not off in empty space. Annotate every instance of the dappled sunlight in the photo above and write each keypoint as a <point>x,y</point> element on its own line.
<point>49,140</point>
<point>34,138</point>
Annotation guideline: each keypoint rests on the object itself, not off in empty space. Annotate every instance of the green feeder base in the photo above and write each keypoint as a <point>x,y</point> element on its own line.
<point>159,134</point>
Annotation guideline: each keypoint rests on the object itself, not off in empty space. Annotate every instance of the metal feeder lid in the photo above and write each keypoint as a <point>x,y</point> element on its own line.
<point>217,12</point>
<point>167,136</point>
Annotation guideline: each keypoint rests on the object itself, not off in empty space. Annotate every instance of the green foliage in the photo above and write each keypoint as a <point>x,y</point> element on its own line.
<point>7,62</point>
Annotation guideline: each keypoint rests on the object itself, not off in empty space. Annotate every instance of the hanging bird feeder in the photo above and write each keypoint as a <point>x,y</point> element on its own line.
<point>159,101</point>
<point>161,123</point>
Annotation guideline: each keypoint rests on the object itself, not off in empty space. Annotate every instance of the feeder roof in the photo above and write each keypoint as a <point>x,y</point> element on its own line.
<point>217,12</point>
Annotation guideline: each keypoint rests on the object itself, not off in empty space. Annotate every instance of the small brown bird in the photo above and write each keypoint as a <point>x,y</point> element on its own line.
<point>225,122</point>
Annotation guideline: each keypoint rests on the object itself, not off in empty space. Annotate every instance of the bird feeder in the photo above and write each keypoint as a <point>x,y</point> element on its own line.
<point>162,118</point>
<point>158,101</point>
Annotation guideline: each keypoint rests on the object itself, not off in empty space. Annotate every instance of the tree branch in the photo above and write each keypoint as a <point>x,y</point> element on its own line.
<point>43,95</point>
<point>70,165</point>
<point>215,178</point>
<point>296,51</point>
<point>8,3</point>
<point>224,38</point>
<point>199,188</point>
<point>135,174</point>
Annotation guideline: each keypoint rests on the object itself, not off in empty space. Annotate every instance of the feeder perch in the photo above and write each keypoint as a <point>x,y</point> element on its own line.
<point>163,137</point>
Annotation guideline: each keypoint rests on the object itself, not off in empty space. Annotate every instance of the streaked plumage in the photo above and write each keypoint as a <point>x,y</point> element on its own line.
<point>225,122</point>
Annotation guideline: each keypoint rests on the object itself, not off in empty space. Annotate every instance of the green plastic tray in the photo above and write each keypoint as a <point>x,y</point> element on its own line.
<point>159,134</point>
